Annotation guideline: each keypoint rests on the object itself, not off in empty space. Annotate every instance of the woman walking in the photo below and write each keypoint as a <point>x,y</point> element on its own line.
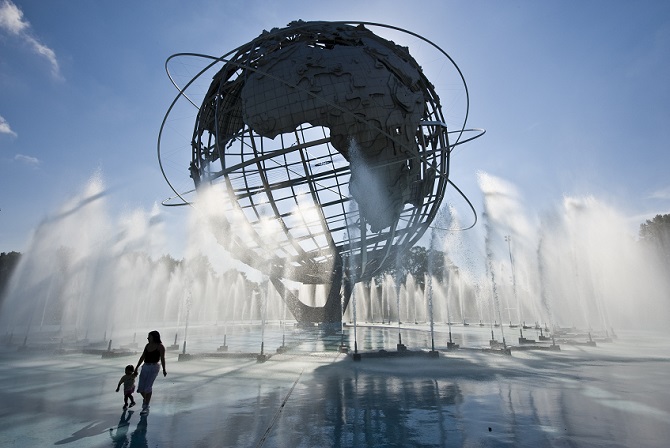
<point>154,352</point>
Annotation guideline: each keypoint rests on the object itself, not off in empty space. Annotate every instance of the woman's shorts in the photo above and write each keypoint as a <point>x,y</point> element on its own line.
<point>147,376</point>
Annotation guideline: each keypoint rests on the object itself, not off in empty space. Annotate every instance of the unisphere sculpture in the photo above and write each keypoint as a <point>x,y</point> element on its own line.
<point>329,152</point>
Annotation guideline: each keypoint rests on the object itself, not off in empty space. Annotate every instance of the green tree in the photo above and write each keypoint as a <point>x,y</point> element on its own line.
<point>8,263</point>
<point>655,233</point>
<point>419,261</point>
<point>170,262</point>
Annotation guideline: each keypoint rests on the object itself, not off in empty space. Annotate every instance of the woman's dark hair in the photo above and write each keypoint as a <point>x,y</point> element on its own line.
<point>157,336</point>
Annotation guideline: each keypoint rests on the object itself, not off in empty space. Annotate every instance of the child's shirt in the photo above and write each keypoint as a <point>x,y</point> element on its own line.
<point>128,382</point>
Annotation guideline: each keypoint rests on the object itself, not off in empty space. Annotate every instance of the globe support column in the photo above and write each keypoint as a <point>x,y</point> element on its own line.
<point>332,311</point>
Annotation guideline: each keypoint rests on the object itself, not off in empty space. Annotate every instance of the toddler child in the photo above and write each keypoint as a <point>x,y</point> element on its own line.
<point>128,381</point>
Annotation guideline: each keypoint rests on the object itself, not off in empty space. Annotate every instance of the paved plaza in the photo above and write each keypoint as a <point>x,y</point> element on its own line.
<point>611,395</point>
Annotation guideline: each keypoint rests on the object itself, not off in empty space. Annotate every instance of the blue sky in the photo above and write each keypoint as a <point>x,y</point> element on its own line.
<point>574,96</point>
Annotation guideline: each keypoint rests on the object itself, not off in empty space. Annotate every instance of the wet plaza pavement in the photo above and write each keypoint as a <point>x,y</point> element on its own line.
<point>614,394</point>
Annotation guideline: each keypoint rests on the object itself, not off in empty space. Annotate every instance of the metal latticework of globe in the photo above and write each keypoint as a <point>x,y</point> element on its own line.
<point>327,153</point>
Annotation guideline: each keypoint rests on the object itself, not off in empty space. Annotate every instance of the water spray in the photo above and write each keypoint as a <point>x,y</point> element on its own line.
<point>344,348</point>
<point>450,344</point>
<point>400,346</point>
<point>429,287</point>
<point>188,312</point>
<point>264,304</point>
<point>508,238</point>
<point>357,356</point>
<point>282,324</point>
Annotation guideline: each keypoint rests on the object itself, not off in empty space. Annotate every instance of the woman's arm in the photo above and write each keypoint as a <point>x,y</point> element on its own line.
<point>144,353</point>
<point>161,348</point>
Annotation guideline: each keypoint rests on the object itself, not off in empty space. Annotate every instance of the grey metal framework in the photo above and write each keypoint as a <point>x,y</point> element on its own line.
<point>284,175</point>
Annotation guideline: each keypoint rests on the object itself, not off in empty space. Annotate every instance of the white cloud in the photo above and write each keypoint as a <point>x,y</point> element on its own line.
<point>663,193</point>
<point>11,18</point>
<point>12,22</point>
<point>4,127</point>
<point>28,160</point>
